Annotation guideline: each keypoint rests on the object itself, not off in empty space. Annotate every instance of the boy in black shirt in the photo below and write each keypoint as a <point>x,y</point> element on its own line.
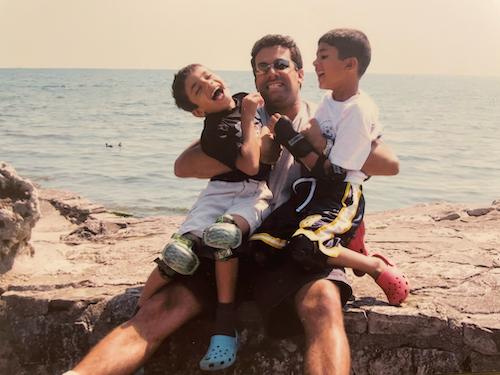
<point>237,200</point>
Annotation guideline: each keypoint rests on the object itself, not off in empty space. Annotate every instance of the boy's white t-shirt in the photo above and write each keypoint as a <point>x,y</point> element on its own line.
<point>353,124</point>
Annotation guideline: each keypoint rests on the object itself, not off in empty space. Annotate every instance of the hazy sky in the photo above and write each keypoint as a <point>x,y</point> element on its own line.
<point>409,37</point>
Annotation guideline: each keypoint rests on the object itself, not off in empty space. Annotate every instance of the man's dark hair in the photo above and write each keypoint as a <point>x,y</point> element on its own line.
<point>350,43</point>
<point>277,40</point>
<point>179,88</point>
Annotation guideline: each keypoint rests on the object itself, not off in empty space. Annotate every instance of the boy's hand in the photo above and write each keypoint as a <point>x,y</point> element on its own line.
<point>270,149</point>
<point>272,122</point>
<point>312,132</point>
<point>249,105</point>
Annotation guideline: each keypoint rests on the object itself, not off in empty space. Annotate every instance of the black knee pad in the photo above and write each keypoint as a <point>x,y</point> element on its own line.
<point>266,256</point>
<point>306,254</point>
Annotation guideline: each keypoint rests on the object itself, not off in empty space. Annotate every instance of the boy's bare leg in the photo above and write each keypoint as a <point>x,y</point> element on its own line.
<point>155,282</point>
<point>128,346</point>
<point>351,259</point>
<point>227,271</point>
<point>226,276</point>
<point>320,309</point>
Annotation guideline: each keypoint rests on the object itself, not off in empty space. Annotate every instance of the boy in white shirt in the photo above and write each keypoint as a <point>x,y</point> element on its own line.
<point>328,205</point>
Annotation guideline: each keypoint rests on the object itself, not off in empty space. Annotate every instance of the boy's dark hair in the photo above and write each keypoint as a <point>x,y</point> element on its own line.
<point>350,43</point>
<point>277,40</point>
<point>179,88</point>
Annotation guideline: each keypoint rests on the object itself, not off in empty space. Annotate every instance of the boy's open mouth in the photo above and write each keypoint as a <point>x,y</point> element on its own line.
<point>217,93</point>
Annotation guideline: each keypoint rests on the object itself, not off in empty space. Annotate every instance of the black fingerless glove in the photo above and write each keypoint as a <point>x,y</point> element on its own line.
<point>293,141</point>
<point>334,173</point>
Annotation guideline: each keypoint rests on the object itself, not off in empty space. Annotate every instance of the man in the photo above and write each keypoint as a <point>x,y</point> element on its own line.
<point>317,302</point>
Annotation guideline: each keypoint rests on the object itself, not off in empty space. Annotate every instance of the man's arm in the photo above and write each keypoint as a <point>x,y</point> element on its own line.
<point>381,161</point>
<point>193,162</point>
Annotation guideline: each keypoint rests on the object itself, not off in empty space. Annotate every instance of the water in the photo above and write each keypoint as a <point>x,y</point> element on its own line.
<point>54,124</point>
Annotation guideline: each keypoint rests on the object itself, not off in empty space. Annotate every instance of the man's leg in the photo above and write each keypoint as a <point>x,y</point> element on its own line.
<point>320,309</point>
<point>128,346</point>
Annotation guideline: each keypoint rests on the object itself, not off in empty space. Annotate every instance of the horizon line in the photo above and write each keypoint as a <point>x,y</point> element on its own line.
<point>249,70</point>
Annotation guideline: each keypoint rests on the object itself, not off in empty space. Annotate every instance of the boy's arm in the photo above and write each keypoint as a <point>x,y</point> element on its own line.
<point>381,161</point>
<point>193,162</point>
<point>248,160</point>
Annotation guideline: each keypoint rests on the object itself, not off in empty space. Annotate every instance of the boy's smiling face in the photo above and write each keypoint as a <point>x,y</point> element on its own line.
<point>208,91</point>
<point>330,70</point>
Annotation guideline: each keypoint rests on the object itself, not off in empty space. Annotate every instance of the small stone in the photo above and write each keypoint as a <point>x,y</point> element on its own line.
<point>480,211</point>
<point>451,216</point>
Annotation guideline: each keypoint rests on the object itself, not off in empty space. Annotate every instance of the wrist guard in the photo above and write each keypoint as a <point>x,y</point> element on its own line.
<point>293,141</point>
<point>334,172</point>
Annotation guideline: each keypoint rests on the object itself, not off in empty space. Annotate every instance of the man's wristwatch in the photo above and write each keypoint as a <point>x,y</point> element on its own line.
<point>328,147</point>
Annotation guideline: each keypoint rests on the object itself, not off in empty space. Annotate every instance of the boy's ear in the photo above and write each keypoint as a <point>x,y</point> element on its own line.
<point>198,112</point>
<point>351,63</point>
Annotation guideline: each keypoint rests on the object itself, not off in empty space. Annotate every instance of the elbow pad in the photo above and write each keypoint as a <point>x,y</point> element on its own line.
<point>293,141</point>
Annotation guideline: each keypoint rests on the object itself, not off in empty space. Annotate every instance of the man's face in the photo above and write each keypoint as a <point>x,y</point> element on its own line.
<point>208,91</point>
<point>279,88</point>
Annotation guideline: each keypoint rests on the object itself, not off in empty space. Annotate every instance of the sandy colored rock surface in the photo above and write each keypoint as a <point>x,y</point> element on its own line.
<point>89,266</point>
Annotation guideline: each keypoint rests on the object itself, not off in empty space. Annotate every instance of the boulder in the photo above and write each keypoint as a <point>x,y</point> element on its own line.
<point>19,211</point>
<point>86,276</point>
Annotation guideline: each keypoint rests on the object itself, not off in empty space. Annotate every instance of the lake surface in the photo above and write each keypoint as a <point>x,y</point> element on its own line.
<point>54,124</point>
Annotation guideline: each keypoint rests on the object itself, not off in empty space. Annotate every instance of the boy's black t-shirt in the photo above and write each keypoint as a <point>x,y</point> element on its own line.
<point>221,140</point>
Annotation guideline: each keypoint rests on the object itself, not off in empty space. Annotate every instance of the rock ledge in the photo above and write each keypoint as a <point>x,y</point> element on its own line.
<point>89,267</point>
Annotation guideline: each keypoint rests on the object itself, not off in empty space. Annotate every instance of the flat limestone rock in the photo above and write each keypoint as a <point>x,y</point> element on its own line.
<point>89,267</point>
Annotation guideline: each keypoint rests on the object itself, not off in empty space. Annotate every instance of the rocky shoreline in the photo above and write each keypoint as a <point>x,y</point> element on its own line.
<point>88,267</point>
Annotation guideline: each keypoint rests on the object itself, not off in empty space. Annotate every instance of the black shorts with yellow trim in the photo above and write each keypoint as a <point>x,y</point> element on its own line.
<point>326,212</point>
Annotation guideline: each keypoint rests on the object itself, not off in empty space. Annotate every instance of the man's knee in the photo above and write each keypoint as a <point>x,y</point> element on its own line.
<point>319,299</point>
<point>174,296</point>
<point>173,305</point>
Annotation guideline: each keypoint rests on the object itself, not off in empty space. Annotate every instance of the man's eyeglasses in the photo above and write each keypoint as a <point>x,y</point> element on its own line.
<point>263,68</point>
